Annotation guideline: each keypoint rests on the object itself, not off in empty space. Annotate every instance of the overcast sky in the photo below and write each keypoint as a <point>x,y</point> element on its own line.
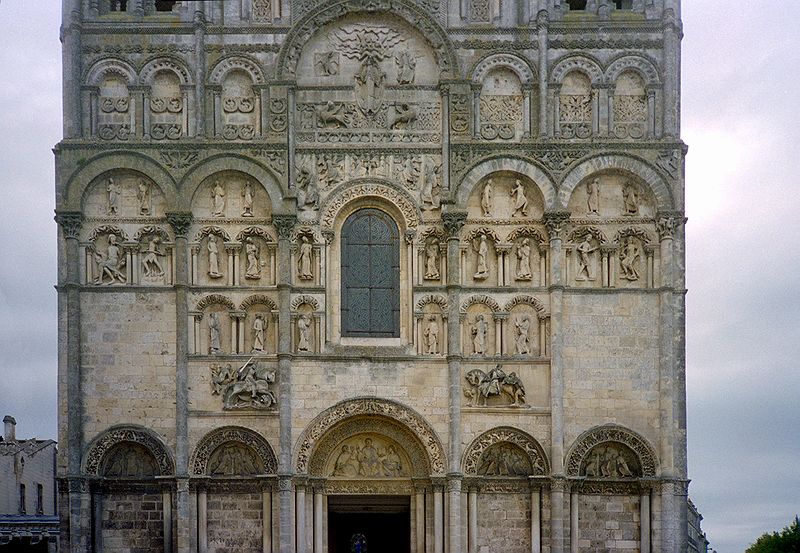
<point>741,89</point>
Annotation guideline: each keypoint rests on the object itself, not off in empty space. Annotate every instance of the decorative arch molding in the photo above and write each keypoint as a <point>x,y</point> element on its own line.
<point>363,407</point>
<point>237,434</point>
<point>432,232</point>
<point>476,299</point>
<point>620,163</point>
<point>583,231</point>
<point>233,63</point>
<point>72,196</point>
<point>255,231</point>
<point>519,66</point>
<point>311,301</point>
<point>215,299</point>
<point>577,62</point>
<point>639,233</point>
<point>523,167</point>
<point>508,434</point>
<point>237,163</point>
<point>611,433</point>
<point>434,299</point>
<point>483,231</point>
<point>416,16</point>
<point>105,441</point>
<point>360,189</point>
<point>645,67</point>
<point>108,229</point>
<point>211,229</point>
<point>532,232</point>
<point>150,230</point>
<point>527,300</point>
<point>258,299</point>
<point>110,65</point>
<point>164,63</point>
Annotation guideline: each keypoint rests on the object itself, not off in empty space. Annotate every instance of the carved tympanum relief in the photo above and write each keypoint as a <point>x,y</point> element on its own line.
<point>506,196</point>
<point>506,459</point>
<point>369,456</point>
<point>610,460</point>
<point>508,389</point>
<point>110,259</point>
<point>246,387</point>
<point>129,460</point>
<point>234,459</point>
<point>123,195</point>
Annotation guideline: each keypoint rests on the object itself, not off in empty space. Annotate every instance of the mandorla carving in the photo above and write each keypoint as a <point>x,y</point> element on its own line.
<point>483,386</point>
<point>247,387</point>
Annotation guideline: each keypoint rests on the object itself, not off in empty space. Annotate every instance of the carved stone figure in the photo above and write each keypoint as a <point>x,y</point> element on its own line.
<point>524,260</point>
<point>407,170</point>
<point>307,189</point>
<point>331,170</point>
<point>213,334</point>
<point>406,64</point>
<point>520,200</point>
<point>247,200</point>
<point>218,194</point>
<point>129,460</point>
<point>326,63</point>
<point>431,188</point>
<point>522,335</point>
<point>504,459</point>
<point>487,203</point>
<point>259,329</point>
<point>232,460</point>
<point>610,461</point>
<point>305,269</point>
<point>482,249</point>
<point>432,260</point>
<point>145,198</point>
<point>584,250</point>
<point>253,254</point>
<point>368,459</point>
<point>213,257</point>
<point>478,332</point>
<point>151,266</point>
<point>111,264</point>
<point>482,386</point>
<point>303,332</point>
<point>346,463</point>
<point>245,388</point>
<point>404,115</point>
<point>330,116</point>
<point>114,191</point>
<point>630,196</point>
<point>629,257</point>
<point>593,196</point>
<point>432,337</point>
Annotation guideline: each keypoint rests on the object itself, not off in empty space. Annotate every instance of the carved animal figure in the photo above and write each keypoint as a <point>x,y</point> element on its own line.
<point>496,383</point>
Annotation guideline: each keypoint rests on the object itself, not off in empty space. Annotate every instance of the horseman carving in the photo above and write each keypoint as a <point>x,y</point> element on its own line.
<point>482,386</point>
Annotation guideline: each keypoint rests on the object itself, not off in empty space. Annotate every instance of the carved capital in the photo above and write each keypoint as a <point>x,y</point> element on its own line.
<point>554,221</point>
<point>70,223</point>
<point>453,223</point>
<point>667,223</point>
<point>558,484</point>
<point>284,224</point>
<point>180,222</point>
<point>328,236</point>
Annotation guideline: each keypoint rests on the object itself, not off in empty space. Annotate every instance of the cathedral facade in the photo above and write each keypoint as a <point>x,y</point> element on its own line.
<point>371,275</point>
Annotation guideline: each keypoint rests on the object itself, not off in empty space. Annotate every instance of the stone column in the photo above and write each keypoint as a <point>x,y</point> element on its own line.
<point>300,517</point>
<point>200,69</point>
<point>476,110</point>
<point>454,513</point>
<point>644,521</point>
<point>438,519</point>
<point>419,519</point>
<point>472,508</point>
<point>202,521</point>
<point>574,529</point>
<point>542,22</point>
<point>445,92</point>
<point>558,486</point>
<point>536,520</point>
<point>319,538</point>
<point>72,70</point>
<point>266,516</point>
<point>673,34</point>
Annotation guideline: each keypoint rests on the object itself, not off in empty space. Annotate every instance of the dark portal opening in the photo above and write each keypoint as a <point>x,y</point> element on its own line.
<point>369,524</point>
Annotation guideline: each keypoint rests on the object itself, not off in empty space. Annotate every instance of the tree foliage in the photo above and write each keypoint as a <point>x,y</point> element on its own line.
<point>787,541</point>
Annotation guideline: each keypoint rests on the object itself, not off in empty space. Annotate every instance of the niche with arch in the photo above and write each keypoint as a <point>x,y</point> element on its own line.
<point>630,106</point>
<point>123,194</point>
<point>576,106</point>
<point>240,105</point>
<point>214,328</point>
<point>502,106</point>
<point>505,195</point>
<point>167,107</point>
<point>612,194</point>
<point>231,195</point>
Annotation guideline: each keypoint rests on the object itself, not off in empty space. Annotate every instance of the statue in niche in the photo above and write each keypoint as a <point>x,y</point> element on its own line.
<point>144,196</point>
<point>630,199</point>
<point>593,196</point>
<point>233,460</point>
<point>326,63</point>
<point>431,187</point>
<point>151,266</point>
<point>303,332</point>
<point>478,331</point>
<point>111,264</point>
<point>214,347</point>
<point>481,247</point>
<point>304,261</point>
<point>129,460</point>
<point>609,462</point>
<point>432,337</point>
<point>584,250</point>
<point>404,115</point>
<point>253,255</point>
<point>307,189</point>
<point>504,460</point>
<point>114,191</point>
<point>524,260</point>
<point>522,335</point>
<point>406,63</point>
<point>218,193</point>
<point>482,386</point>
<point>213,257</point>
<point>331,116</point>
<point>259,330</point>
<point>629,257</point>
<point>245,388</point>
<point>432,260</point>
<point>247,200</point>
<point>487,203</point>
<point>520,200</point>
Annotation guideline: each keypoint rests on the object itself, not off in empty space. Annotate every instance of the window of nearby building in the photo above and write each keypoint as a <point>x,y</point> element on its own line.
<point>22,499</point>
<point>370,275</point>
<point>39,499</point>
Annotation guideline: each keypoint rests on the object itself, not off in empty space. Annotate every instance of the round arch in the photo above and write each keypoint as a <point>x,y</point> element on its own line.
<point>242,436</point>
<point>127,433</point>
<point>505,434</point>
<point>519,66</point>
<point>167,63</point>
<point>512,164</point>
<point>611,433</point>
<point>626,164</point>
<point>72,196</point>
<point>416,16</point>
<point>370,414</point>
<point>640,64</point>
<point>369,188</point>
<point>113,65</point>
<point>577,62</point>
<point>233,63</point>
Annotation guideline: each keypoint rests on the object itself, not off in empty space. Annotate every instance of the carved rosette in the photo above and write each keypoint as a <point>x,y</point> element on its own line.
<point>132,434</point>
<point>238,435</point>
<point>611,433</point>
